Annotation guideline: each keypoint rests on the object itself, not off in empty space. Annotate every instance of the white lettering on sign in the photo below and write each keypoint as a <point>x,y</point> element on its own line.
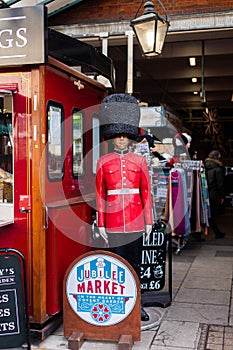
<point>7,271</point>
<point>7,280</point>
<point>154,285</point>
<point>156,239</point>
<point>9,39</point>
<point>7,276</point>
<point>7,326</point>
<point>5,312</point>
<point>153,258</point>
<point>9,312</point>
<point>149,257</point>
<point>4,298</point>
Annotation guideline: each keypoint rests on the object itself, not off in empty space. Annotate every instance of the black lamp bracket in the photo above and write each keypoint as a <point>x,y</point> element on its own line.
<point>149,8</point>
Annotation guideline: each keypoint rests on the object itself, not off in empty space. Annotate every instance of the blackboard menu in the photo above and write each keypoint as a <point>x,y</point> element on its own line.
<point>12,315</point>
<point>153,259</point>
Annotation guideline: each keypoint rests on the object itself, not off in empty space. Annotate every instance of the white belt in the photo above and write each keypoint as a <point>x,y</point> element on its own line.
<point>124,191</point>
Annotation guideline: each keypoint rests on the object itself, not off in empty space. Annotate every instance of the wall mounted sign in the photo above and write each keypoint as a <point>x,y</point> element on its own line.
<point>23,35</point>
<point>101,294</point>
<point>152,117</point>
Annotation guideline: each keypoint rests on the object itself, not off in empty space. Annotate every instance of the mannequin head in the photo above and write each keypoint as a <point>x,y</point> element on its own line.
<point>121,142</point>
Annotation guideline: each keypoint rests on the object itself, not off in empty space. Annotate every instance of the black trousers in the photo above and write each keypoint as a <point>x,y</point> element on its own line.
<point>127,245</point>
<point>215,211</point>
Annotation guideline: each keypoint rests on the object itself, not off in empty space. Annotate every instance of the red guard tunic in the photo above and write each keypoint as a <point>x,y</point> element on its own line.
<point>123,199</point>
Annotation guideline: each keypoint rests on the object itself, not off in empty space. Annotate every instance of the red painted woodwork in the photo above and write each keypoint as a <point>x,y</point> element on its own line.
<point>48,251</point>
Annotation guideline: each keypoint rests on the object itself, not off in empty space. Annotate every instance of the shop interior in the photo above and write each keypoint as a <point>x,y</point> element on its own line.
<point>6,159</point>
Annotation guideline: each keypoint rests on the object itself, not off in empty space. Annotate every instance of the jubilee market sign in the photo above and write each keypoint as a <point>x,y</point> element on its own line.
<point>23,35</point>
<point>101,298</point>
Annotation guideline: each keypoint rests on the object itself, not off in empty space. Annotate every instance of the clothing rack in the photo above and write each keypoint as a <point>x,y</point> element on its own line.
<point>187,184</point>
<point>191,164</point>
<point>159,176</point>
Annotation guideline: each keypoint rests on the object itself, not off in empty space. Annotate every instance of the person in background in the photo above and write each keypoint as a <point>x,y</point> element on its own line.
<point>182,150</point>
<point>123,194</point>
<point>215,181</point>
<point>187,141</point>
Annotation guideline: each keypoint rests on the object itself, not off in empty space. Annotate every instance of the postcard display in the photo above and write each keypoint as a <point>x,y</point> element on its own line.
<point>154,250</point>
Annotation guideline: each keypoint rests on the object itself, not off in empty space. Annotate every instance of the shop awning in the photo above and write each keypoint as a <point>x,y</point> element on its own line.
<point>54,6</point>
<point>74,52</point>
<point>68,50</point>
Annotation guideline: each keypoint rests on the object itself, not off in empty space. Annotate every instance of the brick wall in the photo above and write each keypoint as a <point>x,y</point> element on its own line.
<point>96,11</point>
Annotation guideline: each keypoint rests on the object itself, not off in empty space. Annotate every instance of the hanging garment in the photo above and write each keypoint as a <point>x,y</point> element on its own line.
<point>178,203</point>
<point>189,182</point>
<point>205,195</point>
<point>199,211</point>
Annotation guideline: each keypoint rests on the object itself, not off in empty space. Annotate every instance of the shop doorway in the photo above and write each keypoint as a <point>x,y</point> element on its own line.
<point>6,159</point>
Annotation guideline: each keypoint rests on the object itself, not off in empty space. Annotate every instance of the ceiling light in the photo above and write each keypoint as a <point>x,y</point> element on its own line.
<point>194,80</point>
<point>195,92</point>
<point>192,61</point>
<point>150,29</point>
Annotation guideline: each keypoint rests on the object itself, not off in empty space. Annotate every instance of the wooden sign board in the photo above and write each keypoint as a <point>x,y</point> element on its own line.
<point>101,295</point>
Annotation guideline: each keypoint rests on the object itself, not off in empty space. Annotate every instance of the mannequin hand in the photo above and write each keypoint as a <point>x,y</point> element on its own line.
<point>147,232</point>
<point>103,234</point>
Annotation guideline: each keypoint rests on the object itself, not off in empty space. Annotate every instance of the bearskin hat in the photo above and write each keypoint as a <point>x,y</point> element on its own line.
<point>119,114</point>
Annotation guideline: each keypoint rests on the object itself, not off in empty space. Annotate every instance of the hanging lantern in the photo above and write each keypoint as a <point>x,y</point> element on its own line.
<point>150,30</point>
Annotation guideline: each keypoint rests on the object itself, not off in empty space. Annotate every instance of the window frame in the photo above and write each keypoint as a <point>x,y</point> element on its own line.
<point>55,104</point>
<point>77,175</point>
<point>96,140</point>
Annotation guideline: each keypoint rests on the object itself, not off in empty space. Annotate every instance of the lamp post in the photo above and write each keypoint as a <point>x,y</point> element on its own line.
<point>150,30</point>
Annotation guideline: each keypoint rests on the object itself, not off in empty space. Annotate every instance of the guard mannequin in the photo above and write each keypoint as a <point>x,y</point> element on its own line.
<point>123,195</point>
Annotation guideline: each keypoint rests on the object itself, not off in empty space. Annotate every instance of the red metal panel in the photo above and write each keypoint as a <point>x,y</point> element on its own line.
<point>64,239</point>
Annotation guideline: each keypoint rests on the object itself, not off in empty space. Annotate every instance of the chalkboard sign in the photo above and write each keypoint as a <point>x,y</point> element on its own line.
<point>153,259</point>
<point>12,313</point>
